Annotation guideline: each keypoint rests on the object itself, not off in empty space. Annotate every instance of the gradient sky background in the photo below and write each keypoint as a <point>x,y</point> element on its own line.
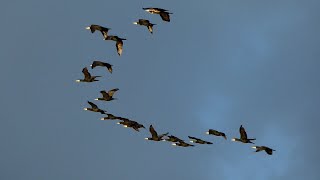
<point>218,64</point>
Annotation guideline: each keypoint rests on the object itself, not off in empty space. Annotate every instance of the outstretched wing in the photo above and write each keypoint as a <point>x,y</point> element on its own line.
<point>119,46</point>
<point>105,94</point>
<point>153,132</point>
<point>96,63</point>
<point>195,138</point>
<point>86,73</point>
<point>93,105</point>
<point>112,91</point>
<point>165,16</point>
<point>243,134</point>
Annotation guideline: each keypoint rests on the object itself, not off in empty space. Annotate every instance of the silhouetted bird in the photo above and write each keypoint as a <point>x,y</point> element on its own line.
<point>144,22</point>
<point>263,148</point>
<point>199,141</point>
<point>94,108</point>
<point>172,139</point>
<point>243,136</point>
<point>216,133</point>
<point>103,64</point>
<point>182,144</point>
<point>103,30</point>
<point>107,96</point>
<point>119,43</point>
<point>162,12</point>
<point>110,117</point>
<point>87,76</point>
<point>154,135</point>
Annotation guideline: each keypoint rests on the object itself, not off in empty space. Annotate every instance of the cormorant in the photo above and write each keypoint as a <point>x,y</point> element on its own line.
<point>199,141</point>
<point>144,22</point>
<point>216,133</point>
<point>110,117</point>
<point>263,148</point>
<point>162,12</point>
<point>172,139</point>
<point>103,64</point>
<point>182,144</point>
<point>103,30</point>
<point>119,43</point>
<point>87,76</point>
<point>154,135</point>
<point>130,124</point>
<point>107,96</point>
<point>94,108</point>
<point>243,136</point>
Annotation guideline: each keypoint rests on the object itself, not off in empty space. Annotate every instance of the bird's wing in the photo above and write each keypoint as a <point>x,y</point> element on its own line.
<point>243,134</point>
<point>104,94</point>
<point>93,105</point>
<point>112,91</point>
<point>119,46</point>
<point>165,16</point>
<point>150,29</point>
<point>153,132</point>
<point>86,73</point>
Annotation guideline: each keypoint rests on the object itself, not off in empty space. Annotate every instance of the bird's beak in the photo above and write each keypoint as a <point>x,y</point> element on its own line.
<point>77,80</point>
<point>102,119</point>
<point>254,147</point>
<point>96,99</point>
<point>146,138</point>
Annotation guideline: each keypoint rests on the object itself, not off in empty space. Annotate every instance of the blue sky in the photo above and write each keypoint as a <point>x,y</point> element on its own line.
<point>217,64</point>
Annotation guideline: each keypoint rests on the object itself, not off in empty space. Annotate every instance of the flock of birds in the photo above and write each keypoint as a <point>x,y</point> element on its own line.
<point>108,96</point>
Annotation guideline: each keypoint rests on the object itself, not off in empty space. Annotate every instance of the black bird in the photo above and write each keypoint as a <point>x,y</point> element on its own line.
<point>130,124</point>
<point>144,22</point>
<point>103,30</point>
<point>107,96</point>
<point>182,144</point>
<point>94,108</point>
<point>103,64</point>
<point>110,117</point>
<point>154,135</point>
<point>263,148</point>
<point>172,139</point>
<point>162,12</point>
<point>87,76</point>
<point>243,136</point>
<point>216,133</point>
<point>199,141</point>
<point>119,43</point>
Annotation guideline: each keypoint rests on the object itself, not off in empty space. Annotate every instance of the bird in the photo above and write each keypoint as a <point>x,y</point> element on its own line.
<point>172,139</point>
<point>130,124</point>
<point>243,136</point>
<point>216,133</point>
<point>199,141</point>
<point>87,76</point>
<point>107,96</point>
<point>154,135</point>
<point>182,144</point>
<point>119,43</point>
<point>94,108</point>
<point>102,64</point>
<point>103,30</point>
<point>110,117</point>
<point>162,12</point>
<point>144,22</point>
<point>263,148</point>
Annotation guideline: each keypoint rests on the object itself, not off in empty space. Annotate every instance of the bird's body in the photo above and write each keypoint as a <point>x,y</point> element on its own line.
<point>264,148</point>
<point>102,64</point>
<point>162,12</point>
<point>107,96</point>
<point>94,108</point>
<point>182,144</point>
<point>144,22</point>
<point>199,141</point>
<point>216,133</point>
<point>119,43</point>
<point>243,136</point>
<point>87,76</point>
<point>154,135</point>
<point>110,117</point>
<point>103,30</point>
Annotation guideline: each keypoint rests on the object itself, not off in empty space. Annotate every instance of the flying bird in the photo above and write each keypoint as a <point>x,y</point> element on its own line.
<point>107,96</point>
<point>199,141</point>
<point>243,136</point>
<point>182,144</point>
<point>172,139</point>
<point>87,76</point>
<point>144,22</point>
<point>162,12</point>
<point>263,148</point>
<point>103,30</point>
<point>130,124</point>
<point>216,133</point>
<point>110,117</point>
<point>119,43</point>
<point>154,135</point>
<point>94,108</point>
<point>102,64</point>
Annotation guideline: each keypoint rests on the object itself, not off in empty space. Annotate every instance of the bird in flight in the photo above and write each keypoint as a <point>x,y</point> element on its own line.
<point>102,64</point>
<point>144,22</point>
<point>243,136</point>
<point>103,30</point>
<point>87,76</point>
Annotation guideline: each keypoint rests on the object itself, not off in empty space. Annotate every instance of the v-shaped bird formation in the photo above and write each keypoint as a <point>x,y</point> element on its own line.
<point>127,123</point>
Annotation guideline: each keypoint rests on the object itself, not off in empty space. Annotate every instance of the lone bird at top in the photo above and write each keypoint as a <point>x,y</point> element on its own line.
<point>94,108</point>
<point>263,148</point>
<point>199,141</point>
<point>119,43</point>
<point>107,96</point>
<point>216,133</point>
<point>87,76</point>
<point>103,30</point>
<point>154,135</point>
<point>243,136</point>
<point>144,22</point>
<point>162,12</point>
<point>102,64</point>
